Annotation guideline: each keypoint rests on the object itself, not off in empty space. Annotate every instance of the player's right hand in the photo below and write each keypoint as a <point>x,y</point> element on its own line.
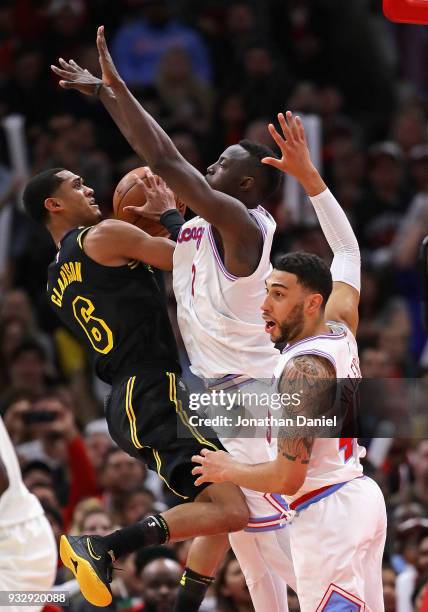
<point>159,198</point>
<point>75,77</point>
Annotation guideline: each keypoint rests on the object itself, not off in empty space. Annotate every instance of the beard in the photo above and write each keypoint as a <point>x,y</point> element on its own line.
<point>292,327</point>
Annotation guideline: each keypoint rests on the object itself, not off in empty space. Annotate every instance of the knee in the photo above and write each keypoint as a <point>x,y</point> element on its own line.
<point>236,518</point>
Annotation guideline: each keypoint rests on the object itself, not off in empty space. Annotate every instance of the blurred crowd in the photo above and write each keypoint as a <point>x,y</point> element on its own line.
<point>211,73</point>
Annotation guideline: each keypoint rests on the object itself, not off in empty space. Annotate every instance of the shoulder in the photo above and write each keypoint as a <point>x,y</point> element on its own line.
<point>341,331</point>
<point>306,366</point>
<point>107,229</point>
<point>109,241</point>
<point>263,219</point>
<point>264,214</point>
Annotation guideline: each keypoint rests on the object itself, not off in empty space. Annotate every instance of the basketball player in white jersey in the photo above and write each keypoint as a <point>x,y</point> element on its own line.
<point>221,263</point>
<point>28,555</point>
<point>338,533</point>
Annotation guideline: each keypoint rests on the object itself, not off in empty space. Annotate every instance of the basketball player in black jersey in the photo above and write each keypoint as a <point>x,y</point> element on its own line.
<point>102,287</point>
<point>234,184</point>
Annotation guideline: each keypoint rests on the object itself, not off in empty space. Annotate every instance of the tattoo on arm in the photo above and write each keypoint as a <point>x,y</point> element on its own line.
<point>313,379</point>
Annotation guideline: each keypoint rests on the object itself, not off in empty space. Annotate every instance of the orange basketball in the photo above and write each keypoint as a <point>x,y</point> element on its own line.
<point>130,193</point>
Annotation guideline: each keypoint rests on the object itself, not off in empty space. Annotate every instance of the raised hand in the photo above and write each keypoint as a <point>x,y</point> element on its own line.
<point>295,158</point>
<point>159,198</point>
<point>111,76</point>
<point>75,77</point>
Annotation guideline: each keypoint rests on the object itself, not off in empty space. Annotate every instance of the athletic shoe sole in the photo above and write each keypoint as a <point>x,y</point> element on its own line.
<point>92,587</point>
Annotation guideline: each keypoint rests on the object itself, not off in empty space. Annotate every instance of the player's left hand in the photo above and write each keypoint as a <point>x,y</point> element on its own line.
<point>213,466</point>
<point>159,197</point>
<point>295,159</point>
<point>111,77</point>
<point>75,77</point>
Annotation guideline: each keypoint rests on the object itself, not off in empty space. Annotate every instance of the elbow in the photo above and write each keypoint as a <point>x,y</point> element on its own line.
<point>290,486</point>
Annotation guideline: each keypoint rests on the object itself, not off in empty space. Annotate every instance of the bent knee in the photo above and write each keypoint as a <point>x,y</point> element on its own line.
<point>236,518</point>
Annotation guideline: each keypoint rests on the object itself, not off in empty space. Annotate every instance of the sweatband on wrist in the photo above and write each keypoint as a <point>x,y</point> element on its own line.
<point>173,221</point>
<point>97,89</point>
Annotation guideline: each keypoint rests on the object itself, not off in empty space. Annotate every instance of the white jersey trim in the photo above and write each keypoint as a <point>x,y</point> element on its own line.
<point>323,336</point>
<point>319,354</point>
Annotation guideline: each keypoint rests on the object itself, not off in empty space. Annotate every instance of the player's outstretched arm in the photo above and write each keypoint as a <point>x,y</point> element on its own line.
<point>313,380</point>
<point>151,142</point>
<point>346,266</point>
<point>115,243</point>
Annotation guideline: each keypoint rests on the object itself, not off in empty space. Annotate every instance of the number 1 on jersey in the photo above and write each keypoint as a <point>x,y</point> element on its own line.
<point>193,279</point>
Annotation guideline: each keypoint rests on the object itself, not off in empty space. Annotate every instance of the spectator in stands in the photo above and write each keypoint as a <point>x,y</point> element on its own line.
<point>229,124</point>
<point>409,127</point>
<point>28,368</point>
<point>67,29</point>
<point>263,82</point>
<point>160,579</point>
<point>410,533</point>
<point>98,442</point>
<point>188,146</point>
<point>418,490</point>
<point>121,474</point>
<point>185,100</point>
<point>82,508</point>
<point>388,580</point>
<point>57,442</point>
<point>378,212</point>
<point>13,407</point>
<point>97,521</point>
<point>139,45</point>
<point>374,363</point>
<point>231,589</point>
<point>134,506</point>
<point>37,472</point>
<point>28,82</point>
<point>16,307</point>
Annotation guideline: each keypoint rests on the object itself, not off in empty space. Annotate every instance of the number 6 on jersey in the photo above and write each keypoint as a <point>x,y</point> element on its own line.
<point>99,333</point>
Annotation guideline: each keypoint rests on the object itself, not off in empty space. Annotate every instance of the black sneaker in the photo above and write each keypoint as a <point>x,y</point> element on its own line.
<point>91,563</point>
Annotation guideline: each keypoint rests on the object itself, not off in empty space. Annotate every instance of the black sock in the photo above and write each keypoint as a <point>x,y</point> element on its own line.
<point>192,590</point>
<point>151,531</point>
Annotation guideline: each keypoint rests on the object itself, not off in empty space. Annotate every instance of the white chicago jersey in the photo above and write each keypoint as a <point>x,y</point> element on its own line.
<point>333,460</point>
<point>218,313</point>
<point>17,504</point>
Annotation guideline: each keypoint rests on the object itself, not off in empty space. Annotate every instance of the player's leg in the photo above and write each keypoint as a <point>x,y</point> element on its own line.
<point>219,509</point>
<point>332,529</point>
<point>268,591</point>
<point>205,556</point>
<point>28,559</point>
<point>265,559</point>
<point>276,551</point>
<point>142,415</point>
<point>256,554</point>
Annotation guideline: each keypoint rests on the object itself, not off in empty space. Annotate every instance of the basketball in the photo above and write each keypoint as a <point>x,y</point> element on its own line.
<point>129,192</point>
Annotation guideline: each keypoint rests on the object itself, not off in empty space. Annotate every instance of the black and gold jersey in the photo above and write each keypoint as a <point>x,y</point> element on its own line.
<point>118,312</point>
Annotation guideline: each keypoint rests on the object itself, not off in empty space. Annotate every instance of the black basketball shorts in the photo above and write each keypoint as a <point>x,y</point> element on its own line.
<point>142,413</point>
